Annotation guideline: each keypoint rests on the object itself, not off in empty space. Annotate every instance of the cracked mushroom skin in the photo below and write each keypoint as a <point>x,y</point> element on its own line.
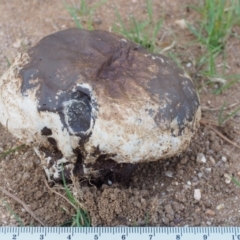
<point>83,98</point>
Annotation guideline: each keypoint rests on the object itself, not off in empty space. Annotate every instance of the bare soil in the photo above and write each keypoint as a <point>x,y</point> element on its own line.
<point>160,193</point>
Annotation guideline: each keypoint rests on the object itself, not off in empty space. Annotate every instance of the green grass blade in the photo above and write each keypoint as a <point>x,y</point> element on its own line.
<point>235,181</point>
<point>123,28</point>
<point>81,218</point>
<point>150,9</point>
<point>98,4</point>
<point>84,8</point>
<point>8,61</point>
<point>13,150</point>
<point>72,12</point>
<point>78,216</point>
<point>68,192</point>
<point>220,117</point>
<point>136,28</point>
<point>232,114</point>
<point>228,85</point>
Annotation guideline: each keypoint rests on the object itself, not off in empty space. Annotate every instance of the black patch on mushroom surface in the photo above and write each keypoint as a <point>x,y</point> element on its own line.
<point>53,153</point>
<point>176,90</point>
<point>46,131</point>
<point>78,167</point>
<point>81,103</point>
<point>52,141</point>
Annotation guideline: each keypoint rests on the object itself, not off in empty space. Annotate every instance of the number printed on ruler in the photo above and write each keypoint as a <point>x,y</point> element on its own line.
<point>120,233</point>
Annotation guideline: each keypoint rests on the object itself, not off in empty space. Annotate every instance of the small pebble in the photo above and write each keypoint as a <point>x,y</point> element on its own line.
<point>197,194</point>
<point>220,206</point>
<point>224,159</point>
<point>200,175</point>
<point>201,158</point>
<point>186,187</point>
<point>212,160</point>
<point>189,183</point>
<point>175,183</point>
<point>169,174</point>
<point>188,65</point>
<point>197,210</point>
<point>210,212</point>
<point>228,179</point>
<point>208,170</point>
<point>195,179</point>
<point>17,43</point>
<point>181,23</point>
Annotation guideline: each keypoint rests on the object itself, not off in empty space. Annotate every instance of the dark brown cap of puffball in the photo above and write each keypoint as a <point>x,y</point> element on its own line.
<point>113,66</point>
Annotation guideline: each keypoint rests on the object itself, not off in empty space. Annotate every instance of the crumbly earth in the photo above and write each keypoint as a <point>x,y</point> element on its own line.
<point>163,193</point>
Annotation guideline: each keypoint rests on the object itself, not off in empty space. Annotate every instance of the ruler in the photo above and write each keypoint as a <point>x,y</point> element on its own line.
<point>120,233</point>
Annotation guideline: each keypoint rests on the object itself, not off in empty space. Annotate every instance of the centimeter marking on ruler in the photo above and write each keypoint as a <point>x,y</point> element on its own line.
<point>120,233</point>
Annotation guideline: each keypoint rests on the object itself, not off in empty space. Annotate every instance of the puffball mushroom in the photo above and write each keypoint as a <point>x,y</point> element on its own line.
<point>96,102</point>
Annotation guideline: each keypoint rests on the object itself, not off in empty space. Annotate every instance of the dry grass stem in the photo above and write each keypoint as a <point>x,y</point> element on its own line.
<point>59,194</point>
<point>219,134</point>
<point>23,204</point>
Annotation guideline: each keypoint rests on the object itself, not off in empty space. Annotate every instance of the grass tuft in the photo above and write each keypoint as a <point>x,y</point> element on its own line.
<point>82,13</point>
<point>81,218</point>
<point>143,32</point>
<point>222,119</point>
<point>217,18</point>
